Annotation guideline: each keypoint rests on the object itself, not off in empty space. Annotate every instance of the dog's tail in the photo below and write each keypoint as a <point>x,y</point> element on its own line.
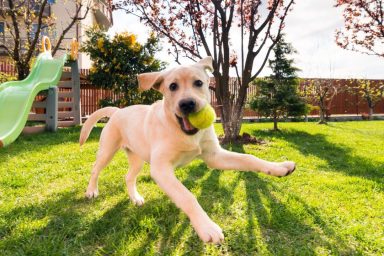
<point>92,120</point>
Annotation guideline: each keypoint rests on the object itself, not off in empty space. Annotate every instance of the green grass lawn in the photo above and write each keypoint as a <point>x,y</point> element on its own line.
<point>332,205</point>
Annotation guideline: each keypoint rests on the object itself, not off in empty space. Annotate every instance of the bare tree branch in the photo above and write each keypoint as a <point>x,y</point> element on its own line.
<point>32,46</point>
<point>189,24</point>
<point>274,41</point>
<point>74,19</point>
<point>23,42</point>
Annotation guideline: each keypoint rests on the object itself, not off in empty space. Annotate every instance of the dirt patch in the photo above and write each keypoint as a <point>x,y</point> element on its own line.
<point>245,138</point>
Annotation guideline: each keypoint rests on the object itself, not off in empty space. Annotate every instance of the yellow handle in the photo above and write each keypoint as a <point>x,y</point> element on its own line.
<point>45,41</point>
<point>74,49</point>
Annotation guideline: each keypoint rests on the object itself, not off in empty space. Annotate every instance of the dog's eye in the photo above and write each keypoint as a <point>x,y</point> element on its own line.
<point>198,83</point>
<point>173,86</point>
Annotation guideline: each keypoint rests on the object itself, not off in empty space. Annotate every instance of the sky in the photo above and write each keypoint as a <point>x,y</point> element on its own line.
<point>310,28</point>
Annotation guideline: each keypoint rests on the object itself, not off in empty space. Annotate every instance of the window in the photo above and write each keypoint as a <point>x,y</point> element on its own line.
<point>36,5</point>
<point>43,30</point>
<point>2,34</point>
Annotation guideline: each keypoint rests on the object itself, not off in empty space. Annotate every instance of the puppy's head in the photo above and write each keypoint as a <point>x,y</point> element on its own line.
<point>185,90</point>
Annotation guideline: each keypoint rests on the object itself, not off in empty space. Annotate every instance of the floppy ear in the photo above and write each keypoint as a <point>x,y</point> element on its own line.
<point>206,63</point>
<point>150,80</point>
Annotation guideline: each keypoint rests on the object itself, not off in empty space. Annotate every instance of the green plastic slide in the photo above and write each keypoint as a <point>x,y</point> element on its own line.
<point>16,97</point>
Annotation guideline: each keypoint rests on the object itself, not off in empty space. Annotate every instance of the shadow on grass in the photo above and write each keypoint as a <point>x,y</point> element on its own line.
<point>337,157</point>
<point>45,140</point>
<point>70,228</point>
<point>160,227</point>
<point>285,231</point>
<point>63,223</point>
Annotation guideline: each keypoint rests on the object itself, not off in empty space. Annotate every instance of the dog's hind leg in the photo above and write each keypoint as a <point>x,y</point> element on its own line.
<point>108,146</point>
<point>135,165</point>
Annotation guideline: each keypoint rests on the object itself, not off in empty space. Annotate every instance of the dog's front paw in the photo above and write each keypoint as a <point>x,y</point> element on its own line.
<point>290,167</point>
<point>208,231</point>
<point>282,169</point>
<point>137,199</point>
<point>92,192</point>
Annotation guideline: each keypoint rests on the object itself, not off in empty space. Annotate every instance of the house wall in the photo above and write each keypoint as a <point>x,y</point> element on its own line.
<point>62,11</point>
<point>6,37</point>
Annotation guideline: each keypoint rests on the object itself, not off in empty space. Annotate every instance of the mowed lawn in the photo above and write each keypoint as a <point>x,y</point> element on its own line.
<point>332,205</point>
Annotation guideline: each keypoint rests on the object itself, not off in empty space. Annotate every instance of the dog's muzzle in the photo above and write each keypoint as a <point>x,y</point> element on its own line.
<point>186,126</point>
<point>186,107</point>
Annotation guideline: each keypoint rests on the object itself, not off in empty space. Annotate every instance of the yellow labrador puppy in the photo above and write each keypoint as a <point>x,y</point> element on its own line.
<point>160,134</point>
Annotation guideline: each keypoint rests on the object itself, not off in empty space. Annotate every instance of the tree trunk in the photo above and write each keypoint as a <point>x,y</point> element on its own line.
<point>22,70</point>
<point>322,116</point>
<point>232,126</point>
<point>275,128</point>
<point>231,113</point>
<point>231,120</point>
<point>370,114</point>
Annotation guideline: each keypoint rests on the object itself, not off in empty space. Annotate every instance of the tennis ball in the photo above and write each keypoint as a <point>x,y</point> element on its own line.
<point>204,118</point>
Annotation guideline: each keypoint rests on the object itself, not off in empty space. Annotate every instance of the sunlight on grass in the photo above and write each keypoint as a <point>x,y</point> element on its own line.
<point>332,204</point>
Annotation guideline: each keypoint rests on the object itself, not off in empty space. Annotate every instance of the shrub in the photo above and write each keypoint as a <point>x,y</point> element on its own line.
<point>277,95</point>
<point>109,102</point>
<point>118,60</point>
<point>4,77</point>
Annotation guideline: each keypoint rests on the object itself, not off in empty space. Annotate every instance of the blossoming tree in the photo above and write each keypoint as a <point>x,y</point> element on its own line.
<point>371,92</point>
<point>321,92</point>
<point>363,26</point>
<point>238,34</point>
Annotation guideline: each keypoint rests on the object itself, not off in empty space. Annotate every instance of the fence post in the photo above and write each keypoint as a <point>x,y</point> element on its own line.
<point>357,103</point>
<point>76,92</point>
<point>51,109</point>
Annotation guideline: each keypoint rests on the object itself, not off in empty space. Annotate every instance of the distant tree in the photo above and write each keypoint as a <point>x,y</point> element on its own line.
<point>363,26</point>
<point>304,95</point>
<point>372,93</point>
<point>25,21</point>
<point>196,29</point>
<point>321,92</point>
<point>277,95</point>
<point>118,60</point>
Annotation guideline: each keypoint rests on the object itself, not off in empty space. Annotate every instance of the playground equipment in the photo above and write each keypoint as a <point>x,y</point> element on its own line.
<point>17,97</point>
<point>68,97</point>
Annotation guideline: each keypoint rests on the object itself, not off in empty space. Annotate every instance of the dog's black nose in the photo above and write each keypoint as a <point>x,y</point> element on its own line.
<point>187,106</point>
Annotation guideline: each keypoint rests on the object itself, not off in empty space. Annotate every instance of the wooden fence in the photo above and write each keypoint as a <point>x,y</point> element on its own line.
<point>348,101</point>
<point>345,102</point>
<point>8,67</point>
<point>90,98</point>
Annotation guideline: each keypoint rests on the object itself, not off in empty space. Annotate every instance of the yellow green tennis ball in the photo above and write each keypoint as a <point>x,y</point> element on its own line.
<point>204,118</point>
